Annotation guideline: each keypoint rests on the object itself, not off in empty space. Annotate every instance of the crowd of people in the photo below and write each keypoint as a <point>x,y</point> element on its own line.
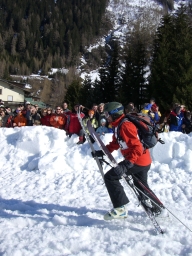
<point>178,118</point>
<point>61,117</point>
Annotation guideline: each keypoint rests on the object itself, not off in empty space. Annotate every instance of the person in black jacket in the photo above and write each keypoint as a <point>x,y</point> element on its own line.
<point>34,117</point>
<point>187,123</point>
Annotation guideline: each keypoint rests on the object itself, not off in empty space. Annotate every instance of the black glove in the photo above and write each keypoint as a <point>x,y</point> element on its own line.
<point>123,167</point>
<point>98,153</point>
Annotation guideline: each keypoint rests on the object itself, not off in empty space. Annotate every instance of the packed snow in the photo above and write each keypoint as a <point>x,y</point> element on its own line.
<point>52,198</point>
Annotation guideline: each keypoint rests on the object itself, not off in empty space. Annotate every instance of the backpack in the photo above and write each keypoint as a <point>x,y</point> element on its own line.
<point>148,133</point>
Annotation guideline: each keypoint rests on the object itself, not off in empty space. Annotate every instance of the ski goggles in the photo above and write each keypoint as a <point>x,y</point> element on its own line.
<point>107,114</point>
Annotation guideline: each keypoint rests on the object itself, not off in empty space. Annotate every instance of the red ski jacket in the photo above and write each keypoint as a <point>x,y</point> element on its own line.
<point>45,120</point>
<point>58,120</point>
<point>130,145</point>
<point>73,126</point>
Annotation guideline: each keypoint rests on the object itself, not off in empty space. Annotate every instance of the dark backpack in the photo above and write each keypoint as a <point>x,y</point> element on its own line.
<point>147,132</point>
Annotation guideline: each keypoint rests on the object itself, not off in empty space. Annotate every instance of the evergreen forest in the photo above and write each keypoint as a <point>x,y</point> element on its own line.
<point>36,35</point>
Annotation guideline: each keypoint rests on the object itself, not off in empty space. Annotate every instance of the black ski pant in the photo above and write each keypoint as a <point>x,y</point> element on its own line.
<point>116,190</point>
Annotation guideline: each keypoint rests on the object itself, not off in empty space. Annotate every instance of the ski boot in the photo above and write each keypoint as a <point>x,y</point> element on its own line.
<point>116,213</point>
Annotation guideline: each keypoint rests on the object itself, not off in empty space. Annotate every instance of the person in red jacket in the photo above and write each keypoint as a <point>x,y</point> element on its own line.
<point>73,125</point>
<point>137,161</point>
<point>19,120</point>
<point>57,119</point>
<point>45,117</point>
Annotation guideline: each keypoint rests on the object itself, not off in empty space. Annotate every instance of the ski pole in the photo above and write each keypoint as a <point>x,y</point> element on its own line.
<point>159,205</point>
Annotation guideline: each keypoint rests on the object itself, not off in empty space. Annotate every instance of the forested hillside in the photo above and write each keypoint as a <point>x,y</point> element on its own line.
<point>154,62</point>
<point>37,35</point>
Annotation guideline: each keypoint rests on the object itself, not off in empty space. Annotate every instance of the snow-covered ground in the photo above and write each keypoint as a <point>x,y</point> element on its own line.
<point>52,198</point>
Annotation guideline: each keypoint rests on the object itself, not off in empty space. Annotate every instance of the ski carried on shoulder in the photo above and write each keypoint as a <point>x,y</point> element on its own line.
<point>128,181</point>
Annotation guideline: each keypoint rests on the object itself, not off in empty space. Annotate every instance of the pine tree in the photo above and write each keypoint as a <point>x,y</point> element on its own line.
<point>86,92</point>
<point>171,68</point>
<point>100,86</point>
<point>160,85</point>
<point>73,93</point>
<point>98,91</point>
<point>1,44</point>
<point>13,46</point>
<point>21,43</point>
<point>113,83</point>
<point>183,60</point>
<point>134,74</point>
<point>108,84</point>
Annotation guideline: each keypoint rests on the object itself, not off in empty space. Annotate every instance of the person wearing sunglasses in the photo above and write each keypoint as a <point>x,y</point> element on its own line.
<point>58,119</point>
<point>19,120</point>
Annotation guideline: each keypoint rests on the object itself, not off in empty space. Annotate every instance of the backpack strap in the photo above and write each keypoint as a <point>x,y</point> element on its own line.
<point>126,119</point>
<point>119,126</point>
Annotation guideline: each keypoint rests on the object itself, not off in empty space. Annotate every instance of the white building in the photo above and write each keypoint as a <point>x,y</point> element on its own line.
<point>12,93</point>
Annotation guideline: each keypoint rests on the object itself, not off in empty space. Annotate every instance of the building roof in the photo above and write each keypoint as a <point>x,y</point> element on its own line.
<point>20,85</point>
<point>39,103</point>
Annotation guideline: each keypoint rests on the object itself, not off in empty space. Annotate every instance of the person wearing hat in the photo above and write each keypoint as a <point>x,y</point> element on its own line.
<point>154,114</point>
<point>91,117</point>
<point>152,110</point>
<point>147,106</point>
<point>26,110</point>
<point>101,130</point>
